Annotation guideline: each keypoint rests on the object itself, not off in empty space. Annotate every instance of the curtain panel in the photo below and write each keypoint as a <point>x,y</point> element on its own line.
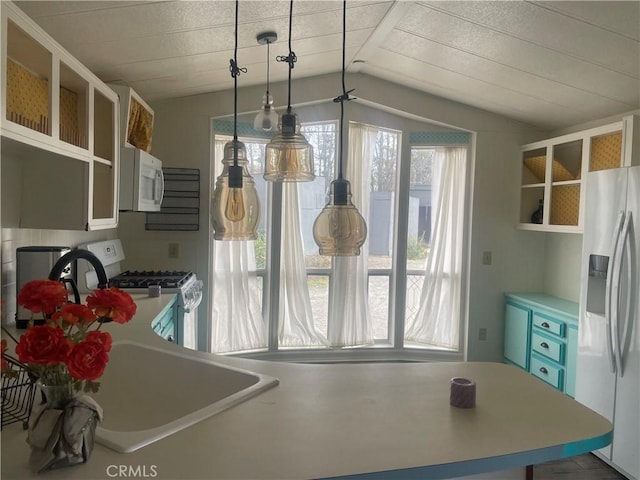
<point>437,322</point>
<point>349,317</point>
<point>236,315</point>
<point>295,322</point>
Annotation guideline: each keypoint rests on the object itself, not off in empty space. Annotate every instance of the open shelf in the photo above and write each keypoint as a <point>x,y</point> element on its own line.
<point>554,173</point>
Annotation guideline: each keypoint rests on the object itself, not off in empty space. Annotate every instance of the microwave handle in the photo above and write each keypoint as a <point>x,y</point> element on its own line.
<point>160,174</point>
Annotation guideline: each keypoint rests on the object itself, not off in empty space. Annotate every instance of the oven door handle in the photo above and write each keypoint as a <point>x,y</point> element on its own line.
<point>193,296</point>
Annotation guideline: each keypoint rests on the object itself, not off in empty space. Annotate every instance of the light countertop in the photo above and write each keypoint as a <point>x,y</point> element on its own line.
<point>348,419</point>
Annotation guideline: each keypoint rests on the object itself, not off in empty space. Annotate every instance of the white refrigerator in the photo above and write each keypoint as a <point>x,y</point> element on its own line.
<point>608,365</point>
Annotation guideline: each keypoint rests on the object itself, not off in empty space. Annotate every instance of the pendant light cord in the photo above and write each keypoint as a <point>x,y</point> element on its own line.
<point>268,48</point>
<point>235,73</point>
<point>345,94</point>
<point>291,59</point>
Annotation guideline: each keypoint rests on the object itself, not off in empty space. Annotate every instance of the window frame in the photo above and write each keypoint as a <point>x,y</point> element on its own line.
<point>393,348</point>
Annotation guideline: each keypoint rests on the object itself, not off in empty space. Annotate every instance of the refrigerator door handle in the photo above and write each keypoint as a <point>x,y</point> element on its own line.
<point>609,299</point>
<point>622,336</point>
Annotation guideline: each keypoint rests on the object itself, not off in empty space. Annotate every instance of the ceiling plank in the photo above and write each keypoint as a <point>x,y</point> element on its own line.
<point>396,12</point>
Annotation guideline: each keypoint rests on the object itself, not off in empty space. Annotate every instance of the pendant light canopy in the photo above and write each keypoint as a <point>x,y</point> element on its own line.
<point>235,209</point>
<point>340,230</point>
<point>288,156</point>
<point>267,117</point>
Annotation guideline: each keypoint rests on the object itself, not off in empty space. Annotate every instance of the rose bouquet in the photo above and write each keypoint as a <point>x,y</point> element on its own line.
<point>67,354</point>
<point>69,348</point>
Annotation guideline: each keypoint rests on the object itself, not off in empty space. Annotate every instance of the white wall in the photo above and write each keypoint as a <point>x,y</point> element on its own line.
<point>563,252</point>
<point>182,138</point>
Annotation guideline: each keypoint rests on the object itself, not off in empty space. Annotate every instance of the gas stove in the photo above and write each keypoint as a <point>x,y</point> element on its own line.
<point>132,279</point>
<point>184,284</point>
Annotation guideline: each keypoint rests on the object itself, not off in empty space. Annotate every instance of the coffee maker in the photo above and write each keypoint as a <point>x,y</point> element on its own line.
<point>35,263</point>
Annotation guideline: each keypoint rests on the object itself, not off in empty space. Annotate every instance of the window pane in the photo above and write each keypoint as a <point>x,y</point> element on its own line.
<point>381,225</point>
<point>383,190</point>
<point>260,288</point>
<point>379,305</point>
<point>412,299</point>
<point>312,199</point>
<point>419,226</point>
<point>319,293</point>
<point>420,201</point>
<point>313,195</point>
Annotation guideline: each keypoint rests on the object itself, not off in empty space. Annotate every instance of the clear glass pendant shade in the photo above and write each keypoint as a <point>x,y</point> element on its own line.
<point>235,209</point>
<point>340,230</point>
<point>267,117</point>
<point>288,156</point>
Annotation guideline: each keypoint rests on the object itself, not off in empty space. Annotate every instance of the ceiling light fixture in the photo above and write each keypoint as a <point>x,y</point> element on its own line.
<point>340,230</point>
<point>267,116</point>
<point>288,156</point>
<point>235,209</point>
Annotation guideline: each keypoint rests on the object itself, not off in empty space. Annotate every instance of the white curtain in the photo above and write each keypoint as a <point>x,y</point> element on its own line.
<point>236,314</point>
<point>295,326</point>
<point>349,318</point>
<point>438,318</point>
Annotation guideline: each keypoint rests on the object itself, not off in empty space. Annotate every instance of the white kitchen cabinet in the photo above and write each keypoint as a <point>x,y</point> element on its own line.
<point>136,119</point>
<point>60,128</point>
<point>554,173</point>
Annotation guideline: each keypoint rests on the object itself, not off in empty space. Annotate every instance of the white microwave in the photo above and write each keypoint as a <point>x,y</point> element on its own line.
<point>141,181</point>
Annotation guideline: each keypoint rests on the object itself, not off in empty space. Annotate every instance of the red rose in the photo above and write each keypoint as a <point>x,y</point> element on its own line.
<point>43,344</point>
<point>87,360</point>
<point>103,338</point>
<point>112,303</point>
<point>73,313</point>
<point>42,296</point>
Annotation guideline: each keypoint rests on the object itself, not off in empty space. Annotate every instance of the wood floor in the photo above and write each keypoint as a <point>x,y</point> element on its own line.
<point>581,467</point>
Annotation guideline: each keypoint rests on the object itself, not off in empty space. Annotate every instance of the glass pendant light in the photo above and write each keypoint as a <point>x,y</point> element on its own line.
<point>340,230</point>
<point>267,117</point>
<point>235,209</point>
<point>288,156</point>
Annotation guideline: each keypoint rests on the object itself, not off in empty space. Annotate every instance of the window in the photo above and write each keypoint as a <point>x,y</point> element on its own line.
<point>301,300</point>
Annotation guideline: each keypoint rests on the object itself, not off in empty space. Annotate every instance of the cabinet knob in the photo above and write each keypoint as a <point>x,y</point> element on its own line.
<point>544,345</point>
<point>544,370</point>
<point>545,325</point>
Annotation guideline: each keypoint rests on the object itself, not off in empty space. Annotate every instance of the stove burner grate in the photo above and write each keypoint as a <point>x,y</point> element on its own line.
<point>145,278</point>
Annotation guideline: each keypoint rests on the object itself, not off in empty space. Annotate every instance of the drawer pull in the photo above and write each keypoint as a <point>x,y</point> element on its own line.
<point>544,345</point>
<point>545,325</point>
<point>544,370</point>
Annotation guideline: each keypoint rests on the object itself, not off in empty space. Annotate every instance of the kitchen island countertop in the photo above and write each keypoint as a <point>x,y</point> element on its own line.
<point>383,420</point>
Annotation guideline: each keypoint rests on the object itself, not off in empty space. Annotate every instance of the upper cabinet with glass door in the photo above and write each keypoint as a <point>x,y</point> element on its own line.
<point>553,182</point>
<point>57,115</point>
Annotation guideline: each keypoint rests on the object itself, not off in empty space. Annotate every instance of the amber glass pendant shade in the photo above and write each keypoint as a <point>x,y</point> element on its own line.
<point>288,156</point>
<point>340,230</point>
<point>235,210</point>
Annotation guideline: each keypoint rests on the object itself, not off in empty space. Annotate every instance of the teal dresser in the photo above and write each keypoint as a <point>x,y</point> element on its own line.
<point>541,337</point>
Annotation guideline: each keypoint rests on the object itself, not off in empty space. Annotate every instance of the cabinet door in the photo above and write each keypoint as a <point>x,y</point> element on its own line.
<point>165,323</point>
<point>516,335</point>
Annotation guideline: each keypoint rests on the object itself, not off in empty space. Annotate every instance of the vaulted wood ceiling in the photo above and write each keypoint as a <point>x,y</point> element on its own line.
<point>551,64</point>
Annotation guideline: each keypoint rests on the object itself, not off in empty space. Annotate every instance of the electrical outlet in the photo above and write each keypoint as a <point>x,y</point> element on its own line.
<point>174,250</point>
<point>486,258</point>
<point>482,334</point>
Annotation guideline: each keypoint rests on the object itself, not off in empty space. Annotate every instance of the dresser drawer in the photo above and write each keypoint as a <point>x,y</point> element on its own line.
<point>547,324</point>
<point>551,374</point>
<point>552,349</point>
